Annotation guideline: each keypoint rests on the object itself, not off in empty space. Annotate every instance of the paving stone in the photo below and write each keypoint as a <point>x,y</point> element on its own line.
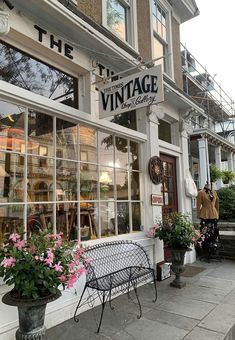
<point>207,294</point>
<point>221,319</point>
<point>229,298</point>
<point>203,334</point>
<point>171,319</point>
<point>218,283</point>
<point>187,307</point>
<point>151,330</point>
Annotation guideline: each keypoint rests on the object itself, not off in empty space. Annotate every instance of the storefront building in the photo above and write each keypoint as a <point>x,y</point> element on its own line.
<point>62,165</point>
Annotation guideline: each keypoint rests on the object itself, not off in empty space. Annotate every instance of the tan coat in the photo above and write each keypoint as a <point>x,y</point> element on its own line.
<point>206,208</point>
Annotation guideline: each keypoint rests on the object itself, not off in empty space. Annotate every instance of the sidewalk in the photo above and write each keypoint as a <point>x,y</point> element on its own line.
<point>203,310</point>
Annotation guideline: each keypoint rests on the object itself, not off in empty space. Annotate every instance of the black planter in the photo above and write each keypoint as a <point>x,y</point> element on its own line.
<point>177,258</point>
<point>31,315</point>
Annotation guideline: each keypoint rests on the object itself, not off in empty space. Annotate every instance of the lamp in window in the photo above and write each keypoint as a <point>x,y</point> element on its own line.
<point>105,180</point>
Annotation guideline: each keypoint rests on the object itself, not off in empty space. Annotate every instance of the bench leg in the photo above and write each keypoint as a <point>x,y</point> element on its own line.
<point>136,293</point>
<point>110,300</point>
<point>75,317</point>
<point>102,312</point>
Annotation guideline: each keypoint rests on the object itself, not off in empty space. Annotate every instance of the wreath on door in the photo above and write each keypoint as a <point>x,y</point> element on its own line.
<point>155,167</point>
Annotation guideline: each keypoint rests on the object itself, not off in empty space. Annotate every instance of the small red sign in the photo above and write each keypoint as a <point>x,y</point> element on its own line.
<point>157,199</point>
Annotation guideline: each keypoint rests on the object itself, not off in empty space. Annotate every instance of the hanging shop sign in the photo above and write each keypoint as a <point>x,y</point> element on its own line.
<point>133,92</point>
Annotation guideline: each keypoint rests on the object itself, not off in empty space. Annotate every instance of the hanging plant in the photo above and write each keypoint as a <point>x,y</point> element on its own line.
<point>228,176</point>
<point>215,173</point>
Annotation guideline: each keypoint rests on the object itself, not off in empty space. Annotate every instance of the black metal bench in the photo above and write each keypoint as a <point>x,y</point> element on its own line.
<point>117,267</point>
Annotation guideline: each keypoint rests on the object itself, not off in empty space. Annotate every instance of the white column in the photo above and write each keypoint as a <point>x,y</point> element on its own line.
<point>234,161</point>
<point>218,163</point>
<point>230,161</point>
<point>204,170</point>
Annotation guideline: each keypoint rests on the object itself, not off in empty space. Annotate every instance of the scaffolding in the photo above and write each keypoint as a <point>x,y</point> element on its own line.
<point>201,86</point>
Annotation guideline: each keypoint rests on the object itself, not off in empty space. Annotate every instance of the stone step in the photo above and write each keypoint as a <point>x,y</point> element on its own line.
<point>226,226</point>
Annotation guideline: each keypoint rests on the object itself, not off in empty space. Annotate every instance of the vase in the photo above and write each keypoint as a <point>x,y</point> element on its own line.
<point>177,258</point>
<point>31,315</point>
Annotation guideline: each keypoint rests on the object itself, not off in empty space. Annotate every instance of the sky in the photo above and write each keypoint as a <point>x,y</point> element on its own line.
<point>209,37</point>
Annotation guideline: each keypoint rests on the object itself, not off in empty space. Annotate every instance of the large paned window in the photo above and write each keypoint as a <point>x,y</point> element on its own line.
<point>118,18</point>
<point>65,176</point>
<point>160,36</point>
<point>20,69</point>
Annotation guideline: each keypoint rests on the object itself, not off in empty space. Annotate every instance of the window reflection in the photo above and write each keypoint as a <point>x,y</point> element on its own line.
<point>39,217</point>
<point>66,179</point>
<point>116,17</point>
<point>107,217</point>
<point>11,177</point>
<point>106,149</point>
<point>136,216</point>
<point>40,134</point>
<point>123,218</point>
<point>88,144</point>
<point>106,183</point>
<point>21,70</point>
<point>40,179</point>
<point>134,155</point>
<point>135,185</point>
<point>121,153</point>
<point>11,220</point>
<point>122,184</point>
<point>12,120</point>
<point>88,181</point>
<point>66,139</point>
<point>89,221</point>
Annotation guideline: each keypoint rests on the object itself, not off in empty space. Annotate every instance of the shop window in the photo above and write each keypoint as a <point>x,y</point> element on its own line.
<point>22,70</point>
<point>164,131</point>
<point>106,175</point>
<point>126,119</point>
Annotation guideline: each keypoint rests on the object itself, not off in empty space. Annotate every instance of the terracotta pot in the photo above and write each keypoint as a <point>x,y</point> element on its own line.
<point>31,315</point>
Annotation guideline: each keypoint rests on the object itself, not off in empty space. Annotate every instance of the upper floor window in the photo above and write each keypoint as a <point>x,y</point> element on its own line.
<point>118,17</point>
<point>22,70</point>
<point>160,35</point>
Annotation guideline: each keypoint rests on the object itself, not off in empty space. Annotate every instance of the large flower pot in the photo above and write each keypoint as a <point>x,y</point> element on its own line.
<point>177,258</point>
<point>31,315</point>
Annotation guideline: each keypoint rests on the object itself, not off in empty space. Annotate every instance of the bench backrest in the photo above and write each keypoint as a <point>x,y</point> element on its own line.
<point>110,257</point>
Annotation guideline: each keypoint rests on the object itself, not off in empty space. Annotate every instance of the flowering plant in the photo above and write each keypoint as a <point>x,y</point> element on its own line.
<point>39,266</point>
<point>176,231</point>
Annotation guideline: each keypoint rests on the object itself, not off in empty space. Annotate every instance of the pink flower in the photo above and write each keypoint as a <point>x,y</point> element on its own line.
<point>88,260</point>
<point>80,272</point>
<point>62,278</point>
<point>50,257</point>
<point>150,232</point>
<point>72,265</point>
<point>20,244</point>
<point>8,262</point>
<point>71,281</point>
<point>78,253</point>
<point>51,236</point>
<point>58,267</point>
<point>14,237</point>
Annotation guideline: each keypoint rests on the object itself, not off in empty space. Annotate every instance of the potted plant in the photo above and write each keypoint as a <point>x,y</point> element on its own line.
<point>36,268</point>
<point>228,176</point>
<point>215,173</point>
<point>178,233</point>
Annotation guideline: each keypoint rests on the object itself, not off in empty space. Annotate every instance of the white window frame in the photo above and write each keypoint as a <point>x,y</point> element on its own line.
<point>131,22</point>
<point>166,42</point>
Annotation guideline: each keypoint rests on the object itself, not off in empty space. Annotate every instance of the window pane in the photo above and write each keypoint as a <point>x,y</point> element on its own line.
<point>121,153</point>
<point>21,70</point>
<point>89,221</point>
<point>127,119</point>
<point>39,216</point>
<point>122,184</point>
<point>88,181</point>
<point>134,155</point>
<point>40,134</point>
<point>135,186</point>
<point>136,216</point>
<point>164,131</point>
<point>116,17</point>
<point>66,180</point>
<point>40,179</point>
<point>88,144</point>
<point>106,149</point>
<point>11,177</point>
<point>11,220</point>
<point>65,215</point>
<point>12,127</point>
<point>123,217</point>
<point>107,218</point>
<point>158,51</point>
<point>106,183</point>
<point>66,139</point>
